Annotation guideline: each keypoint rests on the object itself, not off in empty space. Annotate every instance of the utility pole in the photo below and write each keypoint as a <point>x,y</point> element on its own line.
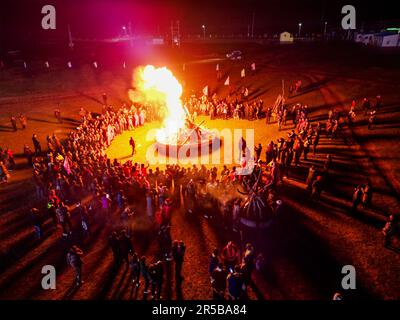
<point>252,25</point>
<point>70,42</point>
<point>130,33</point>
<point>175,33</point>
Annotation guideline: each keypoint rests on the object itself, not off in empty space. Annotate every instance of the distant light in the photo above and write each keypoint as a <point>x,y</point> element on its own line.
<point>300,24</point>
<point>123,27</point>
<point>393,29</point>
<point>203,26</point>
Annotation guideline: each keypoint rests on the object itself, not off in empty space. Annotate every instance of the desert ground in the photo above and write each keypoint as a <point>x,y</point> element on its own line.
<point>310,243</point>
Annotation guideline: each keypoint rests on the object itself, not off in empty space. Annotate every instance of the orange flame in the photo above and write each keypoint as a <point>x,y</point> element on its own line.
<point>159,85</point>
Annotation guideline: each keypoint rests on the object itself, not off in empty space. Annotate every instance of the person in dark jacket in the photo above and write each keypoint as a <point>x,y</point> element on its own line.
<point>37,220</point>
<point>235,284</point>
<point>36,144</point>
<point>178,254</point>
<point>114,244</point>
<point>135,270</point>
<point>132,144</point>
<point>145,272</point>
<point>125,246</point>
<point>157,278</point>
<point>357,195</point>
<point>214,260</point>
<point>218,282</point>
<point>74,260</point>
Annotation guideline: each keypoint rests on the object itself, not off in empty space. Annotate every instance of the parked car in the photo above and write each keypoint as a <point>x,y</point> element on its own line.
<point>234,55</point>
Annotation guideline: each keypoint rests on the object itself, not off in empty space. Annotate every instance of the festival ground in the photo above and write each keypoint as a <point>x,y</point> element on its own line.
<point>306,249</point>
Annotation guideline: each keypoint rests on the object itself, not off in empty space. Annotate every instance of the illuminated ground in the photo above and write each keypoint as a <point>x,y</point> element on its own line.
<point>306,250</point>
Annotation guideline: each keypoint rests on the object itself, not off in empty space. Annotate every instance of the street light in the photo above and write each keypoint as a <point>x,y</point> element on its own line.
<point>204,31</point>
<point>326,23</point>
<point>299,28</point>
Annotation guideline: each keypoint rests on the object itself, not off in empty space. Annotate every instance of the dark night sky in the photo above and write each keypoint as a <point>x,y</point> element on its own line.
<point>20,20</point>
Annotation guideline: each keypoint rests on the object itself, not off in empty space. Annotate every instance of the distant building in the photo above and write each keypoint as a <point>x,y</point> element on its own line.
<point>286,37</point>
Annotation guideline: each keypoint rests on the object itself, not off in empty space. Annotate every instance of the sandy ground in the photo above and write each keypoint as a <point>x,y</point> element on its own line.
<point>307,247</point>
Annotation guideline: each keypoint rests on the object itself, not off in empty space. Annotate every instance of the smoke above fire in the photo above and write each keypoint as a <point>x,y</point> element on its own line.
<point>160,87</point>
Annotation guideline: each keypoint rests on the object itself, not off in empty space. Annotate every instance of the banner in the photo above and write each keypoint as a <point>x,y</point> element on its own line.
<point>227,81</point>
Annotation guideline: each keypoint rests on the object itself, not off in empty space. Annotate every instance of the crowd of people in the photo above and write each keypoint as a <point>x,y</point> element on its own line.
<point>76,181</point>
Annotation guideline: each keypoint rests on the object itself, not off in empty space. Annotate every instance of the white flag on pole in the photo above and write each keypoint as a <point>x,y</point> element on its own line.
<point>47,64</point>
<point>243,73</point>
<point>253,66</point>
<point>227,81</point>
<point>95,64</point>
<point>25,65</point>
<point>205,90</point>
<point>66,165</point>
<point>69,64</point>
<point>217,67</point>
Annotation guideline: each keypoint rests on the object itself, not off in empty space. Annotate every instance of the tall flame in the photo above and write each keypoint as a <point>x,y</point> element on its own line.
<point>159,85</point>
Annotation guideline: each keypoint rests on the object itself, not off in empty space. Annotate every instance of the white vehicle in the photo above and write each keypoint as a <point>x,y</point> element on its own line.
<point>234,55</point>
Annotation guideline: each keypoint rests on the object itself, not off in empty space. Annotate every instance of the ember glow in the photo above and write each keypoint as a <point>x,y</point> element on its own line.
<point>160,85</point>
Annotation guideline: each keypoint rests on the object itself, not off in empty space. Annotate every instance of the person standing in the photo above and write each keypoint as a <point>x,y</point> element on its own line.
<point>145,272</point>
<point>307,145</point>
<point>235,284</point>
<point>104,97</point>
<point>257,151</point>
<point>311,177</point>
<point>366,197</point>
<point>230,255</point>
<point>36,144</point>
<point>371,120</point>
<point>316,188</point>
<point>22,120</point>
<point>37,220</point>
<point>178,254</point>
<point>149,203</point>
<point>114,244</point>
<point>390,230</point>
<point>74,260</point>
<point>157,279</point>
<point>57,114</point>
<point>316,141</point>
<point>214,260</point>
<point>13,121</point>
<point>218,282</point>
<point>64,219</point>
<point>125,246</point>
<point>132,144</point>
<point>135,270</point>
<point>357,195</point>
